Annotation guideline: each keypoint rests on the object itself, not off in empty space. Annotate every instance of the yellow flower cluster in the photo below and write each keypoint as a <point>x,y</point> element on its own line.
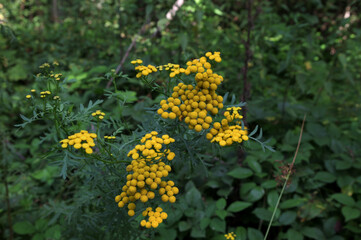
<point>174,68</point>
<point>56,76</point>
<point>155,218</point>
<point>98,114</point>
<point>143,70</point>
<point>43,94</point>
<point>28,96</point>
<point>230,235</point>
<point>83,139</point>
<point>44,65</point>
<point>109,137</point>
<point>193,103</point>
<point>225,134</point>
<point>148,170</point>
<point>56,98</point>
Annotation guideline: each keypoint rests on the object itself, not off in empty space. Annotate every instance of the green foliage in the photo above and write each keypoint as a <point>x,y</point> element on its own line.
<point>305,59</point>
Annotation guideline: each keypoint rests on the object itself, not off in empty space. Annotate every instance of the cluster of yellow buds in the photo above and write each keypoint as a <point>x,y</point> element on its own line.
<point>99,114</point>
<point>109,137</point>
<point>193,103</point>
<point>83,139</point>
<point>55,63</point>
<point>225,134</point>
<point>29,96</point>
<point>230,236</point>
<point>44,65</point>
<point>216,56</point>
<point>56,98</point>
<point>148,172</point>
<point>155,218</point>
<point>174,68</point>
<point>44,94</point>
<point>143,70</point>
<point>56,76</point>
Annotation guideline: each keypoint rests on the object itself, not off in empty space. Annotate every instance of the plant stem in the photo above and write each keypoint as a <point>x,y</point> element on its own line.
<point>278,202</point>
<point>287,177</point>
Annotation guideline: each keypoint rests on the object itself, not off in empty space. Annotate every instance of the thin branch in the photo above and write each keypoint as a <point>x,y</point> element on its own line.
<point>287,177</point>
<point>247,59</point>
<point>170,15</point>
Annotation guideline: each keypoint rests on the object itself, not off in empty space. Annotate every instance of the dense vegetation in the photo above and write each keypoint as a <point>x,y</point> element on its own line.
<point>286,59</point>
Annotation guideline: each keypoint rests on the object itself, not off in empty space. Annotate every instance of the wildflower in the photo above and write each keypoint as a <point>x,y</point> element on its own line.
<point>155,217</point>
<point>109,137</point>
<point>83,139</point>
<point>28,96</point>
<point>230,235</point>
<point>56,98</point>
<point>99,114</point>
<point>44,94</point>
<point>33,90</point>
<point>55,63</point>
<point>148,172</point>
<point>193,103</point>
<point>225,134</point>
<point>45,65</point>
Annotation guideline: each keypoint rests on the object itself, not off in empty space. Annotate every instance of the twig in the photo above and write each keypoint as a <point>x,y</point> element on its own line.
<point>248,57</point>
<point>288,175</point>
<point>7,198</point>
<point>141,31</point>
<point>170,15</point>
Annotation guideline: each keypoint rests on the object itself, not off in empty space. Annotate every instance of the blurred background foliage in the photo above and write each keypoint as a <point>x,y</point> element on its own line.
<point>303,58</point>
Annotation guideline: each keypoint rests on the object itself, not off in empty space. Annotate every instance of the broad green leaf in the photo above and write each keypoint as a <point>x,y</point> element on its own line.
<point>254,234</point>
<point>269,184</point>
<point>290,203</point>
<point>38,236</point>
<point>193,197</point>
<point>24,227</point>
<point>287,217</point>
<point>221,203</point>
<point>263,214</point>
<point>294,235</point>
<point>350,213</point>
<point>238,206</point>
<point>222,214</point>
<point>325,177</point>
<point>53,232</point>
<point>254,165</point>
<point>255,194</point>
<point>272,198</point>
<point>183,226</point>
<point>241,233</point>
<point>313,232</point>
<point>344,199</point>
<point>218,225</point>
<point>240,173</point>
<point>204,223</point>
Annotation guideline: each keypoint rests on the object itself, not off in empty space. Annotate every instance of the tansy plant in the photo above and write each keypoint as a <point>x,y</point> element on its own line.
<point>190,109</point>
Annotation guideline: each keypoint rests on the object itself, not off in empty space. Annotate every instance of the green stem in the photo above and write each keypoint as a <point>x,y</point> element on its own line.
<point>278,202</point>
